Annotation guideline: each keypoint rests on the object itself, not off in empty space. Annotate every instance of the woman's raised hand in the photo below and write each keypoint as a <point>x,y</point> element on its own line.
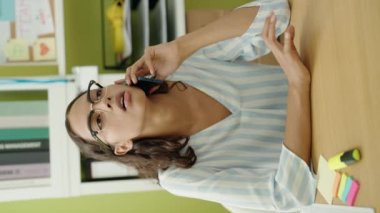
<point>159,60</point>
<point>286,55</point>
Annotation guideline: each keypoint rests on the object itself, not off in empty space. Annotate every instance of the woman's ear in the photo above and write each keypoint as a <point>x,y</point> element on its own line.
<point>123,147</point>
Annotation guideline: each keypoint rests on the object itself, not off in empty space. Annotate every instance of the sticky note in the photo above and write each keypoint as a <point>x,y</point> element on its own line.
<point>342,185</point>
<point>336,184</point>
<point>25,26</point>
<point>347,188</point>
<point>17,50</point>
<point>44,49</point>
<point>353,192</point>
<point>326,179</point>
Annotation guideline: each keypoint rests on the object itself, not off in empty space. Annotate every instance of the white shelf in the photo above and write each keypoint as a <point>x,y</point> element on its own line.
<point>59,186</point>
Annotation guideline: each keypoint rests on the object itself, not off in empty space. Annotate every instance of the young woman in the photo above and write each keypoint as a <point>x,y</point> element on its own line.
<point>219,129</point>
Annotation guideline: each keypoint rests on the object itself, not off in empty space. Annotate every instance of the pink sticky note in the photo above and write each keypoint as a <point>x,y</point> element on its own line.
<point>353,192</point>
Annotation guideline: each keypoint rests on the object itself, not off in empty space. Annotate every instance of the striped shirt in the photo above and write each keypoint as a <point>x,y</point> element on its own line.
<point>241,160</point>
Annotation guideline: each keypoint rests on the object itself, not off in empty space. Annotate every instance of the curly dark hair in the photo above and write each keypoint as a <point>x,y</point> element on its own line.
<point>148,155</point>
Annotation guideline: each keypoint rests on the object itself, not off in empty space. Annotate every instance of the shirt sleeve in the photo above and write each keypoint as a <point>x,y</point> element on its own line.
<point>250,45</point>
<point>287,188</point>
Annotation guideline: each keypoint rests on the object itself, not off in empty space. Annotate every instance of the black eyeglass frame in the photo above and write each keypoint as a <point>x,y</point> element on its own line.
<point>94,133</point>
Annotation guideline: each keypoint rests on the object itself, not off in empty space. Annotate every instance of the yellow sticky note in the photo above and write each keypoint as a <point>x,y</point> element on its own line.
<point>342,185</point>
<point>44,49</point>
<point>17,50</point>
<point>326,179</point>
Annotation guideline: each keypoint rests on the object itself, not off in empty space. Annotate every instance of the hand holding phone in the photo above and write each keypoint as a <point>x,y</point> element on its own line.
<point>146,84</point>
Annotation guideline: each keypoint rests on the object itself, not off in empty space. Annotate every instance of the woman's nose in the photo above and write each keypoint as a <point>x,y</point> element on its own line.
<point>104,104</point>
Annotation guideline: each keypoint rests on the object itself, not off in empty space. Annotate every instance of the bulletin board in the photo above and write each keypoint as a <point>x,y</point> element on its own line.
<point>28,32</point>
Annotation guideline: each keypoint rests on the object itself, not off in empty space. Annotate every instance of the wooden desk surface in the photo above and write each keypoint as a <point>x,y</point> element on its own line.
<point>339,41</point>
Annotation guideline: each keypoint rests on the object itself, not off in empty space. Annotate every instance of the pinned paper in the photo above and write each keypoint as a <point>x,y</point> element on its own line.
<point>7,10</point>
<point>43,17</point>
<point>33,19</point>
<point>25,24</point>
<point>326,179</point>
<point>44,49</point>
<point>17,50</point>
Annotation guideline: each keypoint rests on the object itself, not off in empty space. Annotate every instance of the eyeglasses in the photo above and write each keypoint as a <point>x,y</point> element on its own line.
<point>96,93</point>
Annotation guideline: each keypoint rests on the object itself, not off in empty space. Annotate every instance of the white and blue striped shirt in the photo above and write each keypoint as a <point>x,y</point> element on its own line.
<point>241,160</point>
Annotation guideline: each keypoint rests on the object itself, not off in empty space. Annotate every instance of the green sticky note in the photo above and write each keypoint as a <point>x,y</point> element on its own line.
<point>342,186</point>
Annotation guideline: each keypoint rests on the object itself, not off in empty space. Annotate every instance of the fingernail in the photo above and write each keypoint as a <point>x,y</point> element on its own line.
<point>287,35</point>
<point>273,18</point>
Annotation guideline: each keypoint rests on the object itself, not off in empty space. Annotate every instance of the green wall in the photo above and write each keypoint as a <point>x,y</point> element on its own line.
<point>83,33</point>
<point>6,71</point>
<point>83,47</point>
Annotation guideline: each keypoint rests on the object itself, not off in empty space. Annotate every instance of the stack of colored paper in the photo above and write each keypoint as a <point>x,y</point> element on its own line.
<point>334,184</point>
<point>347,188</point>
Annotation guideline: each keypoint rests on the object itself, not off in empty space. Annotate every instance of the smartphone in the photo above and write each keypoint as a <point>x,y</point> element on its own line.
<point>146,84</point>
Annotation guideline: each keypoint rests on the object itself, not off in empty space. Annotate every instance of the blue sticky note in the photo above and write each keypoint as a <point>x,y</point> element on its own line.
<point>347,189</point>
<point>7,10</point>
